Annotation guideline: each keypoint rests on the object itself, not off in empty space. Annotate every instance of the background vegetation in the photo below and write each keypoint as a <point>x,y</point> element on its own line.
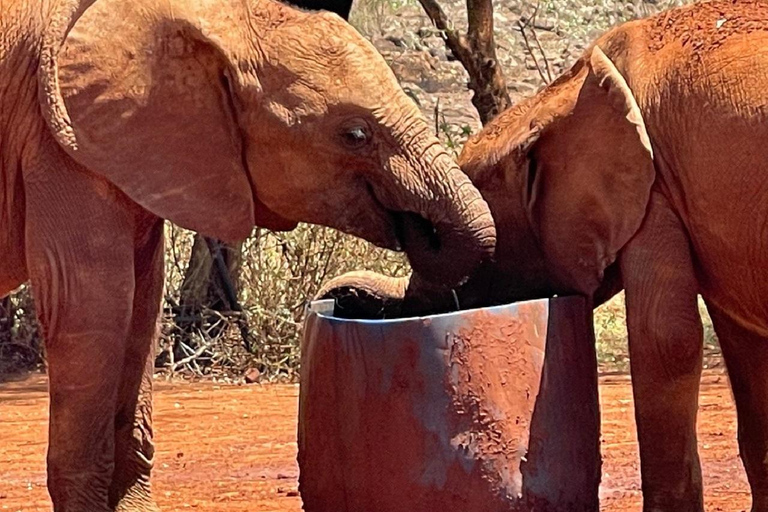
<point>280,271</point>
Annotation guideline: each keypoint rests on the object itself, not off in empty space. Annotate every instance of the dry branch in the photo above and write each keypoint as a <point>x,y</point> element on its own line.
<point>524,24</point>
<point>529,49</point>
<point>193,356</point>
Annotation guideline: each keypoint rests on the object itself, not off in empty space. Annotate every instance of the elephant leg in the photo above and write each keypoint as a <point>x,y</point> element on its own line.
<point>134,450</point>
<point>665,351</point>
<point>746,356</point>
<point>80,240</point>
<point>13,268</point>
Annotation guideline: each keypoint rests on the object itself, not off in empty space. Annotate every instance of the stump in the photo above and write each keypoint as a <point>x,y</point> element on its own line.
<point>462,412</point>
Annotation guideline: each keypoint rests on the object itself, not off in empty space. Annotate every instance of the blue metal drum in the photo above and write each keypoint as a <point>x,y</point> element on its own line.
<point>491,409</point>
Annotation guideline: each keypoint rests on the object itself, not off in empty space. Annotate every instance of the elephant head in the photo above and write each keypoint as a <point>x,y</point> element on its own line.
<point>567,175</point>
<point>222,115</point>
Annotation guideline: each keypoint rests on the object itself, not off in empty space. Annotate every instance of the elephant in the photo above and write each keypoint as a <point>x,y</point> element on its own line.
<point>218,116</point>
<point>640,168</point>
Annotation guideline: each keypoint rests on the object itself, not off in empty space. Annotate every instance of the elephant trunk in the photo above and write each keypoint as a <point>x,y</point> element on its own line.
<point>370,295</point>
<point>443,223</point>
<point>365,295</point>
<point>460,232</point>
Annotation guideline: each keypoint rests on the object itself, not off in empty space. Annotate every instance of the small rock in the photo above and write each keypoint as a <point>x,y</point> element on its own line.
<point>438,53</point>
<point>252,376</point>
<point>431,86</point>
<point>544,24</point>
<point>384,45</point>
<point>397,41</point>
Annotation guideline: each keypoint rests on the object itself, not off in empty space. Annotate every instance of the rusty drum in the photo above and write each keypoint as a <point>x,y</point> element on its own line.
<point>483,410</point>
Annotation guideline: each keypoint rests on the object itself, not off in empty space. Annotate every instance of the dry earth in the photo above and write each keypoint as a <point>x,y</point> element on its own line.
<point>233,448</point>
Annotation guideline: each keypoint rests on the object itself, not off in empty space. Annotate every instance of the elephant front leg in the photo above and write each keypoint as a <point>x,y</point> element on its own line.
<point>130,490</point>
<point>80,259</point>
<point>665,350</point>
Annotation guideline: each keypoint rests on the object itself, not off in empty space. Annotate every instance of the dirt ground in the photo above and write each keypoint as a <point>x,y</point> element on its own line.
<point>232,448</point>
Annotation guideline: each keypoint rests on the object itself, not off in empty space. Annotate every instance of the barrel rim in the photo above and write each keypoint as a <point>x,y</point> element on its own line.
<point>320,308</point>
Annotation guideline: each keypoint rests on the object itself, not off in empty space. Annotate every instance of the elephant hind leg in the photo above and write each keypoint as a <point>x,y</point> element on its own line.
<point>746,357</point>
<point>134,450</point>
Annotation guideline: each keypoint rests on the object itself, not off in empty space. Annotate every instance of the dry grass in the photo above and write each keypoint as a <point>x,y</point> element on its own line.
<point>280,273</point>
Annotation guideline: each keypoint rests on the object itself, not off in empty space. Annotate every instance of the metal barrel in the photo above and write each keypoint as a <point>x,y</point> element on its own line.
<point>484,410</point>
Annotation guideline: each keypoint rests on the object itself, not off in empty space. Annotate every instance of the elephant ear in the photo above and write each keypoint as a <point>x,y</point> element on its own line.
<point>144,98</point>
<point>589,175</point>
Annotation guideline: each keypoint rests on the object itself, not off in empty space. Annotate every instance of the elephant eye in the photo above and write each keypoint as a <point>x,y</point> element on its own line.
<point>355,137</point>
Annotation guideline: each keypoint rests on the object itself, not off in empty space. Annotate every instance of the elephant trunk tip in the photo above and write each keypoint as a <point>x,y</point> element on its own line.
<point>446,253</point>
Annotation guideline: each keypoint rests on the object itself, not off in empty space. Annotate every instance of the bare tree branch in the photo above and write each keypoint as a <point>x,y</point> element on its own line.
<point>455,41</point>
<point>194,355</point>
<point>521,27</point>
<point>530,23</point>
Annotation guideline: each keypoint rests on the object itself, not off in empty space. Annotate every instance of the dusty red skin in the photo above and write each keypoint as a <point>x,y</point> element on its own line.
<point>435,414</point>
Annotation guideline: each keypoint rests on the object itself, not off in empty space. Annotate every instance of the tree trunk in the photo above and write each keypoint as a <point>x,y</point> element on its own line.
<point>210,285</point>
<point>203,286</point>
<point>476,50</point>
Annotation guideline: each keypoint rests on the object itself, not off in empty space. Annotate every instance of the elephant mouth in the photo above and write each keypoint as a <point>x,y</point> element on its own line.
<point>411,229</point>
<point>443,250</point>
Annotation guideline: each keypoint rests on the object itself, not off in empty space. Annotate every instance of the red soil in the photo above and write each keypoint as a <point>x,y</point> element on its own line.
<point>233,448</point>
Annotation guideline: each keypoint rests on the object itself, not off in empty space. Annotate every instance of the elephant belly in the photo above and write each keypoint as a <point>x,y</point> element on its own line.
<point>732,253</point>
<point>713,166</point>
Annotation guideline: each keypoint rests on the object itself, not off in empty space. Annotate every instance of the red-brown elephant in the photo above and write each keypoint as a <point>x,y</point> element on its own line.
<point>218,115</point>
<point>644,167</point>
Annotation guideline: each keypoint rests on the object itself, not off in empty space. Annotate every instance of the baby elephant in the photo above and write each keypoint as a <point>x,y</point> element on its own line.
<point>217,115</point>
<point>644,167</point>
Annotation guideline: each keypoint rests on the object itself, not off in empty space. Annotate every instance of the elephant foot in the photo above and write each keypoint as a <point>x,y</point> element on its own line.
<point>133,497</point>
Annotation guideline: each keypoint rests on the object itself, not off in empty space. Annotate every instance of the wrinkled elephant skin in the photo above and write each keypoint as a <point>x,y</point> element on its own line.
<point>217,115</point>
